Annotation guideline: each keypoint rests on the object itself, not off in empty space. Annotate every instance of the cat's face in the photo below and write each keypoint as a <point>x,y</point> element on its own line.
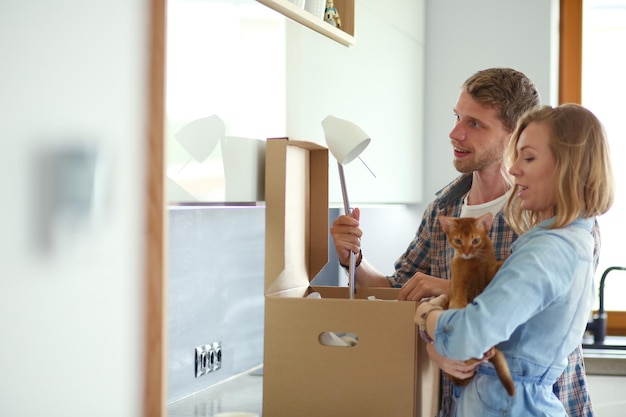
<point>467,235</point>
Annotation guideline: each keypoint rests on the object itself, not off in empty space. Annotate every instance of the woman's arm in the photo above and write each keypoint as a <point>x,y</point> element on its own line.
<point>541,267</point>
<point>426,316</point>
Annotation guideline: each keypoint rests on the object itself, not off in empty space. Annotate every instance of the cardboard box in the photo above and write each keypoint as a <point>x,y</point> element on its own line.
<point>388,373</point>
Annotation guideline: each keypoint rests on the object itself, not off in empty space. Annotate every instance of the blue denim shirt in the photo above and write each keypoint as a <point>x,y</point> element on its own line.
<point>535,311</point>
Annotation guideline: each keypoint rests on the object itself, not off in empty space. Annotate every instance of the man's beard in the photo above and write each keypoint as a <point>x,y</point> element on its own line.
<point>476,162</point>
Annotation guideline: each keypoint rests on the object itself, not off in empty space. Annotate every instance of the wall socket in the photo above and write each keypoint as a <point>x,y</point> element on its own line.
<point>208,358</point>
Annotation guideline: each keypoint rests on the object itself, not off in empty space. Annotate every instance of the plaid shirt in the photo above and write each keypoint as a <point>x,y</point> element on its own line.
<point>429,253</point>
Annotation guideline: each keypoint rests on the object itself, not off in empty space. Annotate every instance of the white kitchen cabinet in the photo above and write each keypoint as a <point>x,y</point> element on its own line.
<point>607,395</point>
<point>378,84</point>
<point>266,75</point>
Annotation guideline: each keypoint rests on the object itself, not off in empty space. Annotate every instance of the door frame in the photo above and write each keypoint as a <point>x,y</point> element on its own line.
<point>155,342</point>
<point>570,51</point>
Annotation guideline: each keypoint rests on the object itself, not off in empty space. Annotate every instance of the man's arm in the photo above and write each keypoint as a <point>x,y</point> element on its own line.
<point>368,276</point>
<point>346,235</point>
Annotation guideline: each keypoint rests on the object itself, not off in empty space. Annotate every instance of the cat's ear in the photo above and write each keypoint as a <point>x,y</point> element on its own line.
<point>446,222</point>
<point>485,221</point>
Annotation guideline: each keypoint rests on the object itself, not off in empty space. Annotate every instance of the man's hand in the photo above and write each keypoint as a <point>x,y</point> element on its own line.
<point>347,235</point>
<point>422,286</point>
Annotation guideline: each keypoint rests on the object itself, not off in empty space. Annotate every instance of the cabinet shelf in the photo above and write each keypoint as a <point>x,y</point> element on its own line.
<point>346,13</point>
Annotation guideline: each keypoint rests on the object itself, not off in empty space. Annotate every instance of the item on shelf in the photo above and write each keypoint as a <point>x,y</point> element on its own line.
<point>331,15</point>
<point>315,7</point>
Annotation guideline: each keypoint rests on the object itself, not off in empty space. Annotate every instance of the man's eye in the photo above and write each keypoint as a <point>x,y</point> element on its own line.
<point>474,123</point>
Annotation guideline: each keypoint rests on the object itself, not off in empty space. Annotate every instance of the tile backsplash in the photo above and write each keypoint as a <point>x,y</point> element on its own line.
<point>215,291</point>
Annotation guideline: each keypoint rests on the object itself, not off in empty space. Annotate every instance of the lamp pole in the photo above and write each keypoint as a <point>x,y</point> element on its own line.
<point>348,210</point>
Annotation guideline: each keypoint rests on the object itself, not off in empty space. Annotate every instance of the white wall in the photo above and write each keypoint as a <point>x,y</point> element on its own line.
<point>463,37</point>
<point>73,77</point>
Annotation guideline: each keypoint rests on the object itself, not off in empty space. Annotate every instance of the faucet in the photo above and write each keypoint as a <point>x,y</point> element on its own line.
<point>597,325</point>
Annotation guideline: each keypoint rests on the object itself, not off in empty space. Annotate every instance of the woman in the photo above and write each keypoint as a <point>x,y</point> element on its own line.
<point>536,308</point>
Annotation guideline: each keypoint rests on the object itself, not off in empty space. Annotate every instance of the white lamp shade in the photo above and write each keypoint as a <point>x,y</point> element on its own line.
<point>344,139</point>
<point>201,136</point>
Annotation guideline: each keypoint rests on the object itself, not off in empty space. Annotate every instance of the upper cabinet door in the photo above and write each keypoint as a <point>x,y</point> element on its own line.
<point>378,83</point>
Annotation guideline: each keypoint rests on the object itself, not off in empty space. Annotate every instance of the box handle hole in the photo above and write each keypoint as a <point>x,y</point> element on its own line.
<point>338,339</point>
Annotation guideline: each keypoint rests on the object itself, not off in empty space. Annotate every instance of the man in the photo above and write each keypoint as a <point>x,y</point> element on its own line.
<point>488,108</point>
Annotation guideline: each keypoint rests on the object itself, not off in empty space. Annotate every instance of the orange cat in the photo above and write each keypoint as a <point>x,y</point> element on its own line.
<point>473,266</point>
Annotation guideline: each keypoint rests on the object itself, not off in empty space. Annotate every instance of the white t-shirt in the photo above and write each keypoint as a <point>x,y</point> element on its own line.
<point>492,206</point>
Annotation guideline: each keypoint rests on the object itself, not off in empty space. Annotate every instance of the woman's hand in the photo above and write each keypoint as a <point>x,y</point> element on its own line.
<point>347,235</point>
<point>458,369</point>
<point>440,301</point>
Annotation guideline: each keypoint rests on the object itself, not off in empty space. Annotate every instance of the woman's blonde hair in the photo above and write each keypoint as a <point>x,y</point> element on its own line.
<point>584,182</point>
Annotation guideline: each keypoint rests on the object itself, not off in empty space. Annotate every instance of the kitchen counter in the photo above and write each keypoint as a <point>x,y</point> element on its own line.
<point>241,393</point>
<point>609,359</point>
<point>605,362</point>
<point>245,392</point>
